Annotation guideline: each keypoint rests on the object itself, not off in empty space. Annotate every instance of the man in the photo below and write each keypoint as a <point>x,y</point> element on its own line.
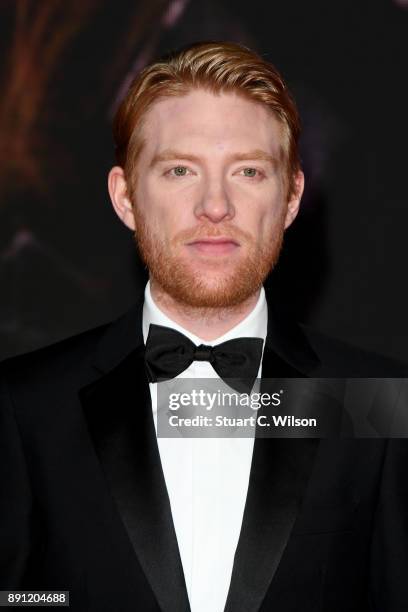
<point>94,502</point>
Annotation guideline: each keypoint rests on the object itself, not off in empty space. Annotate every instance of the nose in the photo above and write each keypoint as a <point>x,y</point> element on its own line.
<point>214,202</point>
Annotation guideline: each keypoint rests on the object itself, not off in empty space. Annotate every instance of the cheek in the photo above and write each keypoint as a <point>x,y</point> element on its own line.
<point>163,196</point>
<point>261,213</point>
<point>165,212</point>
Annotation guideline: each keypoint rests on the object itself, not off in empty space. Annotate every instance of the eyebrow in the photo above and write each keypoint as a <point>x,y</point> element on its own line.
<point>256,154</point>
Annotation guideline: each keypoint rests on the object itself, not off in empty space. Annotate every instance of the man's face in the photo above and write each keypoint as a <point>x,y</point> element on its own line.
<point>209,200</point>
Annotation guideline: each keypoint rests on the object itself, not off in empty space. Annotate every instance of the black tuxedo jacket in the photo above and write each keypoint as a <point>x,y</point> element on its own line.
<point>84,505</point>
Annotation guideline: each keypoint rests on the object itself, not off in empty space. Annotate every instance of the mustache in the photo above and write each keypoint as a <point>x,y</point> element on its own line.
<point>202,232</point>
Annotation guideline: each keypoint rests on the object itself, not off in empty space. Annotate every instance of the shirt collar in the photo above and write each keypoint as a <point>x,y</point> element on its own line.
<point>254,325</point>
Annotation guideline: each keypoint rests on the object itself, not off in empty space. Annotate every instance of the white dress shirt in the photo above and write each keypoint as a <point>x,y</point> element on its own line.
<point>206,478</point>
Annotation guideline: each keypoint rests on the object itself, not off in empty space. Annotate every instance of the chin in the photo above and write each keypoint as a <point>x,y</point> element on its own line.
<point>209,284</point>
<point>221,267</point>
<point>219,292</point>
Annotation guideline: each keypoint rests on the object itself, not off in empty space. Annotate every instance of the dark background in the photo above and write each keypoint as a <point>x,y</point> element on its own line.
<point>66,261</point>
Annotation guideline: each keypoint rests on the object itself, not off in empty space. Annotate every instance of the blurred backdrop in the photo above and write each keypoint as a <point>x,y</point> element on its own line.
<point>66,261</point>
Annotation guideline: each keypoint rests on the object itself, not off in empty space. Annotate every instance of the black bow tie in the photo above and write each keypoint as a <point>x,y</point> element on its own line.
<point>169,352</point>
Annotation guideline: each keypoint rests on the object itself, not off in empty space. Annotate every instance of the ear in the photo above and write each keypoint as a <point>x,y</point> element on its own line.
<point>294,202</point>
<point>119,195</point>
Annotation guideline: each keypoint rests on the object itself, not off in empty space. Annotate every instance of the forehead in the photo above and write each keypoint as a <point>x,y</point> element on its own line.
<point>203,120</point>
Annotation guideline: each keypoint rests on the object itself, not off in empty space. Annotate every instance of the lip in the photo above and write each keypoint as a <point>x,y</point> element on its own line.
<point>214,239</point>
<point>214,246</point>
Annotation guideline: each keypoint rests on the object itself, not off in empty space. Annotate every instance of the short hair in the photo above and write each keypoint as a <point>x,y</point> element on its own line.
<point>216,67</point>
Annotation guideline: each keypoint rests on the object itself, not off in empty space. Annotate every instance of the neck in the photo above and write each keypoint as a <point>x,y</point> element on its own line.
<point>206,323</point>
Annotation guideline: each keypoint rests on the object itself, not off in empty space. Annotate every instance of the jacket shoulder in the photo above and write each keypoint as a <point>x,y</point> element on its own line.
<point>62,358</point>
<point>339,358</point>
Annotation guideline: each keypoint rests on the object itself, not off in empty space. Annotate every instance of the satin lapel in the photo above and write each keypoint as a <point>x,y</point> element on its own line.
<point>279,474</point>
<point>119,416</point>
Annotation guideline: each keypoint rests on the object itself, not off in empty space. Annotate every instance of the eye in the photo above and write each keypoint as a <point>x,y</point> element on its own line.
<point>251,172</point>
<point>179,171</point>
